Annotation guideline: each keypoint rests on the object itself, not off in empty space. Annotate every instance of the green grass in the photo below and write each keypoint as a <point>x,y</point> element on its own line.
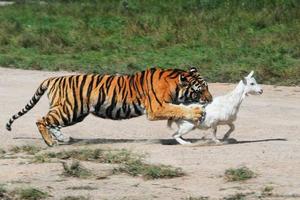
<point>225,39</point>
<point>239,174</point>
<point>128,162</point>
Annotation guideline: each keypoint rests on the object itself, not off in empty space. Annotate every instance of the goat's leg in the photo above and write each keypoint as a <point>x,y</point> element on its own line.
<point>231,129</point>
<point>183,129</point>
<point>214,138</point>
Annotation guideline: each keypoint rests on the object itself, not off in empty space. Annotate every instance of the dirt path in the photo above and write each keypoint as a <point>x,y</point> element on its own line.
<point>267,131</point>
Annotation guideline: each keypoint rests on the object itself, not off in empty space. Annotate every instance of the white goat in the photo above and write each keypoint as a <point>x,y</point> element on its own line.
<point>222,111</point>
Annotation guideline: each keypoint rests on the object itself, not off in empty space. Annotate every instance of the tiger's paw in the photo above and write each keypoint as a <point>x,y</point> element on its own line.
<point>196,114</point>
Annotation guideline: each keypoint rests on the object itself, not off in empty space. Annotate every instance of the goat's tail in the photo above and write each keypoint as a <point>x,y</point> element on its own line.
<point>36,97</point>
<point>169,123</point>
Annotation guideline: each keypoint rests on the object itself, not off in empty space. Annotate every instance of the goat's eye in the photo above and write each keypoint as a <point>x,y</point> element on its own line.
<point>251,83</point>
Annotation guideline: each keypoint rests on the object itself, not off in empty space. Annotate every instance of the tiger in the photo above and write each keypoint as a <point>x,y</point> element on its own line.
<point>155,92</point>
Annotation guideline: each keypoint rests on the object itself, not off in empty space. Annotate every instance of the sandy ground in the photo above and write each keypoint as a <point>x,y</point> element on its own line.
<point>267,134</point>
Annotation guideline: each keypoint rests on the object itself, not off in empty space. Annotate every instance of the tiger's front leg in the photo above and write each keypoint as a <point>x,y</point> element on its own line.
<point>168,110</point>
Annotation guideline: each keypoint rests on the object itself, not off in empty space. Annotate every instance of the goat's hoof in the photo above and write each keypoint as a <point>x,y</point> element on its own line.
<point>181,141</point>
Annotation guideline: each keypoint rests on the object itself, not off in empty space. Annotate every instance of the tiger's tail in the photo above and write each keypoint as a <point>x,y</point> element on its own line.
<point>36,97</point>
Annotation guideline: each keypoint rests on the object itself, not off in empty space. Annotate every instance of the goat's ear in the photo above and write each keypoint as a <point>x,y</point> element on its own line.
<point>244,80</point>
<point>250,74</point>
<point>183,80</point>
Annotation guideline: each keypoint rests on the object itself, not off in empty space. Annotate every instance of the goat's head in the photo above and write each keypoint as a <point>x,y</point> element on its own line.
<point>251,86</point>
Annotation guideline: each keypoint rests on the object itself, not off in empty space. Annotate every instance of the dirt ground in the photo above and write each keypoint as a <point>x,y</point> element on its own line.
<point>267,134</point>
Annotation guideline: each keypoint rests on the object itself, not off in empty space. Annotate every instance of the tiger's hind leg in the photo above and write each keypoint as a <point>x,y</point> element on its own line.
<point>49,126</point>
<point>41,124</point>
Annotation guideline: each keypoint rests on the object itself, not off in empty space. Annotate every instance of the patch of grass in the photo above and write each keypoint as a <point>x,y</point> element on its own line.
<point>75,198</point>
<point>239,174</point>
<point>31,194</point>
<point>76,170</point>
<point>29,149</point>
<point>138,168</point>
<point>223,38</point>
<point>237,196</point>
<point>129,163</point>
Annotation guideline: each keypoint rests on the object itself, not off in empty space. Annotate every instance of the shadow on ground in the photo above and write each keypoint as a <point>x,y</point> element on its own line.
<point>162,141</point>
<point>200,142</point>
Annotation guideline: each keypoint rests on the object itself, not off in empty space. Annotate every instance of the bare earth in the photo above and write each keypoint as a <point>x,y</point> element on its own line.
<point>267,134</point>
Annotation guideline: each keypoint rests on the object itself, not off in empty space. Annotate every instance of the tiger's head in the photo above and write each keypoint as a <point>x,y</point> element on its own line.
<point>193,88</point>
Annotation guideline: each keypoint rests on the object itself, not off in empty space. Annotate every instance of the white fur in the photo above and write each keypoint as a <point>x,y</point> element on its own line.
<point>222,111</point>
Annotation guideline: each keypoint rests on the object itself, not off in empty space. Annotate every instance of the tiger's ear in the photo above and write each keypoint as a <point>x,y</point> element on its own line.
<point>183,80</point>
<point>193,70</point>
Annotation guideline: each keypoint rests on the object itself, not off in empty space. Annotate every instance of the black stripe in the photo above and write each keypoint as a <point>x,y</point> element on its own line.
<point>154,93</point>
<point>70,80</point>
<point>53,85</point>
<point>174,72</point>
<point>75,80</point>
<point>161,73</point>
<point>57,89</point>
<point>142,78</point>
<point>130,85</point>
<point>67,112</point>
<point>136,88</point>
<point>99,79</point>
<point>82,84</point>
<point>137,111</point>
<point>89,90</point>
<point>113,103</point>
<point>101,99</point>
<point>118,82</point>
<point>128,111</point>
<point>64,119</point>
<point>148,96</point>
<point>118,113</point>
<point>108,82</point>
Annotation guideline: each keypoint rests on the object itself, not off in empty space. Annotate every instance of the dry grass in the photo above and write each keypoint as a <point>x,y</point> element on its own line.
<point>76,170</point>
<point>128,162</point>
<point>29,149</point>
<point>75,198</point>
